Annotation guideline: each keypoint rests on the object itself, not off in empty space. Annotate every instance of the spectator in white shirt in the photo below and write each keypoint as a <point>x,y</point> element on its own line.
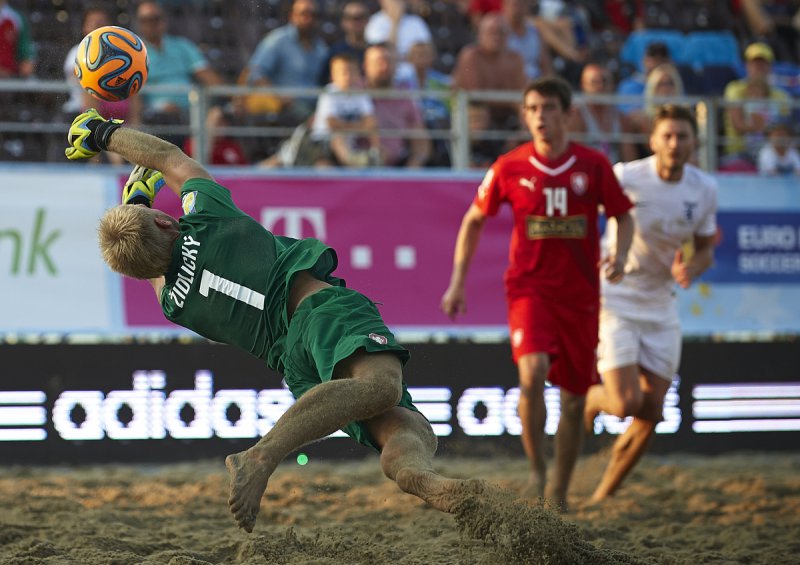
<point>393,24</point>
<point>778,156</point>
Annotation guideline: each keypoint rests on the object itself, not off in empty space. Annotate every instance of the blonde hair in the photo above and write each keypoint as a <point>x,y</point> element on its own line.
<point>132,244</point>
<point>664,69</point>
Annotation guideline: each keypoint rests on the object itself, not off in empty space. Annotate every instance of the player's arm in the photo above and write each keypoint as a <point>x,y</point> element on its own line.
<point>155,153</point>
<point>454,299</point>
<point>614,265</point>
<point>90,133</point>
<point>685,272</point>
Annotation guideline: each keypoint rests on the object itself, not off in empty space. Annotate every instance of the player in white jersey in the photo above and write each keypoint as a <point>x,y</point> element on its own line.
<point>640,334</point>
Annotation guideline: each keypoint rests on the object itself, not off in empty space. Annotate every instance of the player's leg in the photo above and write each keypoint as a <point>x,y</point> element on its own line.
<point>618,362</point>
<point>533,369</point>
<point>568,441</point>
<point>633,443</point>
<point>619,394</point>
<point>408,445</point>
<point>531,323</point>
<point>363,386</point>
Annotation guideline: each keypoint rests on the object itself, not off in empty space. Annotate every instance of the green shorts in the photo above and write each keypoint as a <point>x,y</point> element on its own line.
<point>328,326</point>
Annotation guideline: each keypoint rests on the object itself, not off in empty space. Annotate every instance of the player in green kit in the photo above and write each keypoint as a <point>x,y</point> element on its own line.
<point>219,273</point>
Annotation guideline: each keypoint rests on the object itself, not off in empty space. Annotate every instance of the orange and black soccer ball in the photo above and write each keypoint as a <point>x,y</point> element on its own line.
<point>111,63</point>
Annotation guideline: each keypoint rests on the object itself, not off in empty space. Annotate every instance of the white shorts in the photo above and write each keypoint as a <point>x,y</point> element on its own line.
<point>655,346</point>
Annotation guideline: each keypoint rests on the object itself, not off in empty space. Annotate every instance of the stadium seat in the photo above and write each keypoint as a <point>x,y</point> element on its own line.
<point>704,48</point>
<point>693,82</point>
<point>635,45</point>
<point>787,76</point>
<point>717,77</point>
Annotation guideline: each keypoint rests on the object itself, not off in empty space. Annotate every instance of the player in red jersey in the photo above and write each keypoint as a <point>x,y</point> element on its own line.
<point>552,283</point>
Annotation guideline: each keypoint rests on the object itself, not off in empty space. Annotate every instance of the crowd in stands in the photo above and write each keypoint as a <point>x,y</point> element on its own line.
<point>745,52</point>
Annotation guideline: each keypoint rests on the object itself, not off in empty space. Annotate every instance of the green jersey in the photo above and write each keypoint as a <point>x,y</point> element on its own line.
<point>229,277</point>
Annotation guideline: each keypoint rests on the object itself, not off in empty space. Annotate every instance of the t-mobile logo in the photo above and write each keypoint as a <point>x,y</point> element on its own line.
<point>290,221</point>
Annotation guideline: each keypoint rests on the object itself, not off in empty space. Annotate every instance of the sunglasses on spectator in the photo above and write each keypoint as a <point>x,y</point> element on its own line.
<point>310,13</point>
<point>357,17</point>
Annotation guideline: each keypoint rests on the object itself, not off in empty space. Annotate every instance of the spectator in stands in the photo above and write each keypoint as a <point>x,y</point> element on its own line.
<point>623,16</point>
<point>355,15</point>
<point>655,54</point>
<point>395,113</point>
<point>775,22</point>
<point>342,119</point>
<point>489,64</point>
<point>393,25</point>
<point>94,16</point>
<point>525,39</point>
<point>221,149</point>
<point>17,52</point>
<point>479,8</point>
<point>564,26</point>
<point>752,104</point>
<point>292,55</point>
<point>435,109</point>
<point>663,84</point>
<point>779,156</point>
<point>174,60</point>
<point>601,122</point>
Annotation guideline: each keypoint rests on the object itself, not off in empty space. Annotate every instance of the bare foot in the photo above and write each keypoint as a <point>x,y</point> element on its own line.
<point>249,476</point>
<point>534,488</point>
<point>597,498</point>
<point>559,501</point>
<point>440,492</point>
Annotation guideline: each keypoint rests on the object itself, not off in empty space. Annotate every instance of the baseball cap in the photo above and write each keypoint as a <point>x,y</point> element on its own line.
<point>759,51</point>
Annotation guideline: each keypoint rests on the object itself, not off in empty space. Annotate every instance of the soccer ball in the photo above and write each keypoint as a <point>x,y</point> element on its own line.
<point>111,63</point>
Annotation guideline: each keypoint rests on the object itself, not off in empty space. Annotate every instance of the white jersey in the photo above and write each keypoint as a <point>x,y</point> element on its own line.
<point>342,105</point>
<point>666,215</point>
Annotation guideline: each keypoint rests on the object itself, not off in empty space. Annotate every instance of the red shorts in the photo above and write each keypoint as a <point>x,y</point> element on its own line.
<point>566,333</point>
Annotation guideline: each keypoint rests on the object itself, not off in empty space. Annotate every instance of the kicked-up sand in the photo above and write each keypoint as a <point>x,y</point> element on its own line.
<point>674,509</point>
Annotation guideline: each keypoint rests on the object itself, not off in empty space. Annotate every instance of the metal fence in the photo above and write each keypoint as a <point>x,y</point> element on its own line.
<point>32,125</point>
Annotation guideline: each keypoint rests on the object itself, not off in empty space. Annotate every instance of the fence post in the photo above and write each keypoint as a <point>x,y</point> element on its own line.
<point>198,108</point>
<point>459,129</point>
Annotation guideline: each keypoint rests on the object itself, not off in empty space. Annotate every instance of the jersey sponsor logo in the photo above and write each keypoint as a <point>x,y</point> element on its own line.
<point>378,339</point>
<point>188,202</point>
<point>579,182</point>
<point>182,285</point>
<point>568,227</point>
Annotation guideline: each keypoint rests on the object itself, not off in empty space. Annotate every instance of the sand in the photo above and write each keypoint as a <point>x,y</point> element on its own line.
<point>740,508</point>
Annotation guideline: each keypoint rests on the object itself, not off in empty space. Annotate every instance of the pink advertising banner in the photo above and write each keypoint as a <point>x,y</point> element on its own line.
<point>394,238</point>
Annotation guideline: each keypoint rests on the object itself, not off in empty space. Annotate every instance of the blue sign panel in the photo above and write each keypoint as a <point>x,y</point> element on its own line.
<point>762,247</point>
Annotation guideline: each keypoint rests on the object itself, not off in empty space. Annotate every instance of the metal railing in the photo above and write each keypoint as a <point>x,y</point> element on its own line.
<point>26,121</point>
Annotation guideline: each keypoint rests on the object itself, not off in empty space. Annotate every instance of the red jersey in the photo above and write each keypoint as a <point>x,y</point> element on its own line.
<point>555,245</point>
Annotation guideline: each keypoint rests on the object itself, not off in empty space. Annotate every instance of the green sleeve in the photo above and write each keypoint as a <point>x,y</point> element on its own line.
<point>200,196</point>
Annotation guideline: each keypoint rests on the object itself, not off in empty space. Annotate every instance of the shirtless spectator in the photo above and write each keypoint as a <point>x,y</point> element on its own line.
<point>601,122</point>
<point>489,64</point>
